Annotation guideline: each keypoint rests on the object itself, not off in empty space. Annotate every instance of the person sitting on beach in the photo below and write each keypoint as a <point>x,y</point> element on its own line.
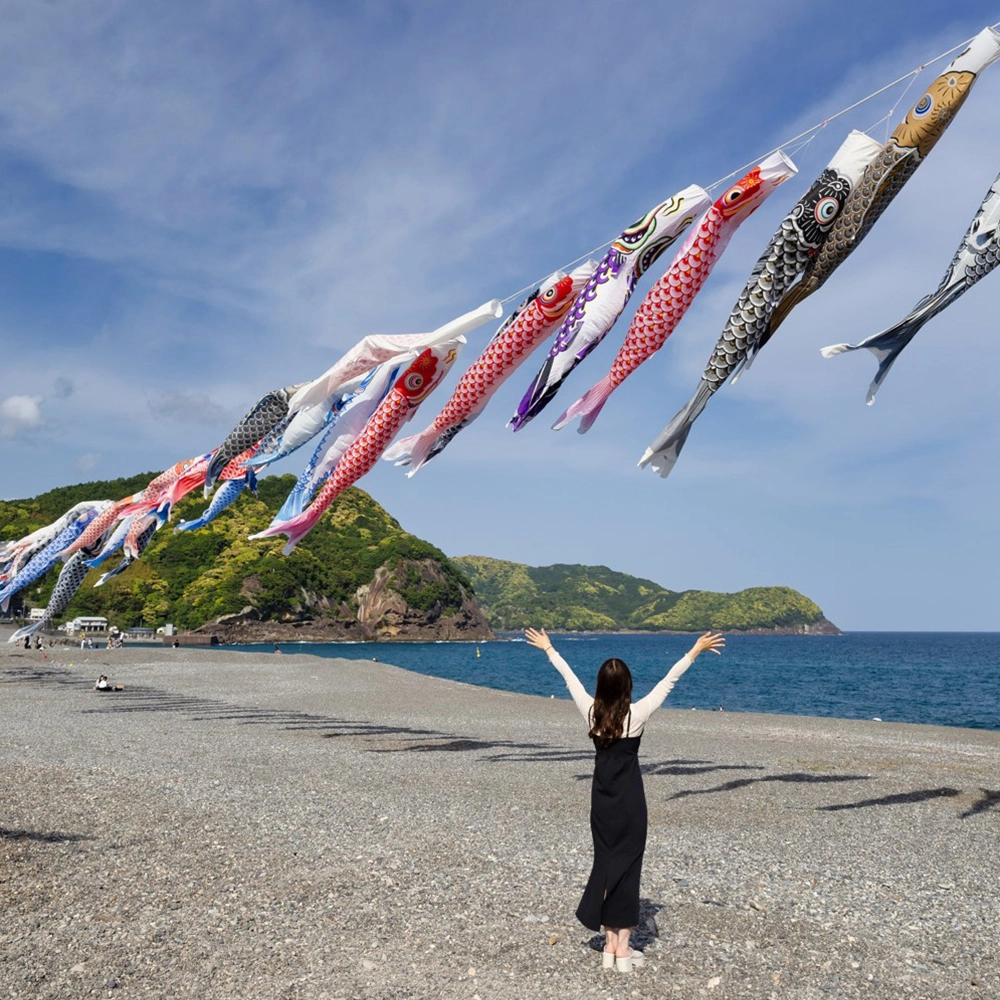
<point>103,684</point>
<point>617,799</point>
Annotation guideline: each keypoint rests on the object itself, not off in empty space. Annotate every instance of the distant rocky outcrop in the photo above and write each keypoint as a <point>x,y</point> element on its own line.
<point>379,612</point>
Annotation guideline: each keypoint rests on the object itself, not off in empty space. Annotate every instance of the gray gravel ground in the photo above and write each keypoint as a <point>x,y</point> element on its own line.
<point>290,827</point>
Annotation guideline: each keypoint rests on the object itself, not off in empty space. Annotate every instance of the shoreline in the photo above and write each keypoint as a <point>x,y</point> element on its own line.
<point>71,653</point>
<point>235,825</point>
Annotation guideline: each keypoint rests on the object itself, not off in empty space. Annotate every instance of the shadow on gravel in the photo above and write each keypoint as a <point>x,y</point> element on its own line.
<point>989,801</point>
<point>643,934</point>
<point>923,795</point>
<point>40,675</point>
<point>795,777</point>
<point>141,699</point>
<point>46,837</point>
<point>899,799</point>
<point>513,752</point>
<point>686,767</point>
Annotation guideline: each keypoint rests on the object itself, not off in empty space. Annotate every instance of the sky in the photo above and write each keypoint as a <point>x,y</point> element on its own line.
<point>201,202</point>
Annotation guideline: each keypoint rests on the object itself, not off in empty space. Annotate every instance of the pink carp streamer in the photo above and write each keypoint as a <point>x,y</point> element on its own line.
<point>410,390</point>
<point>669,299</point>
<point>531,323</point>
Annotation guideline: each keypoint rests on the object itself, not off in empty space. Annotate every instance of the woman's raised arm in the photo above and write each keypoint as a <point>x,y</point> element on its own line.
<point>540,640</point>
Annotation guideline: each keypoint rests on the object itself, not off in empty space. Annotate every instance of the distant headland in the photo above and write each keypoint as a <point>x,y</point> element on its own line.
<point>360,577</point>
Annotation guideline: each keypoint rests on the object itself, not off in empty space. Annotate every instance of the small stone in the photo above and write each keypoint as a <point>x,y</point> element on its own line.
<point>713,982</point>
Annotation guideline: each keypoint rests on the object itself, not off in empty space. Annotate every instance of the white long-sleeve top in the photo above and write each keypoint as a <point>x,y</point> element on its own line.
<point>641,709</point>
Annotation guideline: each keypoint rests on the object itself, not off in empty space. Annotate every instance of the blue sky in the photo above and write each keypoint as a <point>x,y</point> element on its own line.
<point>201,202</point>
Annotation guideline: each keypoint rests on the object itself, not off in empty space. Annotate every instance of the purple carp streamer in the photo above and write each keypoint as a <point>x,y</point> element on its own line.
<point>906,149</point>
<point>748,328</point>
<point>670,298</point>
<point>977,255</point>
<point>606,293</point>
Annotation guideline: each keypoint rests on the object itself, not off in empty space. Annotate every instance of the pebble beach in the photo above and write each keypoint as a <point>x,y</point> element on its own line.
<point>235,825</point>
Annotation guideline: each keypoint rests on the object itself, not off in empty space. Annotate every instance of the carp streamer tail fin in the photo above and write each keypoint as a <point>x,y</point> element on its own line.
<point>662,454</point>
<point>26,630</point>
<point>295,529</point>
<point>588,407</point>
<point>886,347</point>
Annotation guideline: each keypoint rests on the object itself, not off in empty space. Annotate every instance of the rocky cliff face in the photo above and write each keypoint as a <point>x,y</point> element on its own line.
<point>400,603</point>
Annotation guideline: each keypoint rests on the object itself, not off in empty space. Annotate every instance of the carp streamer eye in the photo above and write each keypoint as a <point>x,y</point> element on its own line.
<point>414,382</point>
<point>923,105</point>
<point>826,210</point>
<point>732,196</point>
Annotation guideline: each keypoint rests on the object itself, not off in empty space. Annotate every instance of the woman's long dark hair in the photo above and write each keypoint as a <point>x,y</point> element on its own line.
<point>612,702</point>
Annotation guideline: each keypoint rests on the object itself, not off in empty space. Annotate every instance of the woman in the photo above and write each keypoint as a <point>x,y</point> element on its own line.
<point>617,799</point>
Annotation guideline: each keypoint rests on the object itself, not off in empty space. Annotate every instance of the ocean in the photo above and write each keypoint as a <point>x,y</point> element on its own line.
<point>933,678</point>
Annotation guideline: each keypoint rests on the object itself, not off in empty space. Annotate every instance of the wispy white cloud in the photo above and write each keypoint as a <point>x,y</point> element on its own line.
<point>20,415</point>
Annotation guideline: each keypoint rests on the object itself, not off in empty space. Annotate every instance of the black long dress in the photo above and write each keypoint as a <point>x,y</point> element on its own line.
<point>618,825</point>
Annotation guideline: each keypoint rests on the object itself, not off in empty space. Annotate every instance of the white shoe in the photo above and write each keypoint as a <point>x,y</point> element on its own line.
<point>608,959</point>
<point>635,960</point>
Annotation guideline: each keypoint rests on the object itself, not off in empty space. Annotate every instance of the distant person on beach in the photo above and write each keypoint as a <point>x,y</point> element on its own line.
<point>27,642</point>
<point>617,798</point>
<point>103,684</point>
<point>277,651</point>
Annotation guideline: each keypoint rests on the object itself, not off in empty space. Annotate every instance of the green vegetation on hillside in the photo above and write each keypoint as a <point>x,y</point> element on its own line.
<point>195,577</point>
<point>595,598</point>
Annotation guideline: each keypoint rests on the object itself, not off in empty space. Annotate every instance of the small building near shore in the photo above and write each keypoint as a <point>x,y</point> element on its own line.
<point>86,623</point>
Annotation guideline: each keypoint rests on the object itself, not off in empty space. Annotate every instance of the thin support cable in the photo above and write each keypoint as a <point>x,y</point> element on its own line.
<point>808,135</point>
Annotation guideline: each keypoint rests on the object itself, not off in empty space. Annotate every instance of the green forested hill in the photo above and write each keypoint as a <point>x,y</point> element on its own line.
<point>595,598</point>
<point>194,577</point>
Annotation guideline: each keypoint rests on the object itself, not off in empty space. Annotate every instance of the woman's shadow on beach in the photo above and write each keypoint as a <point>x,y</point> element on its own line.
<point>645,931</point>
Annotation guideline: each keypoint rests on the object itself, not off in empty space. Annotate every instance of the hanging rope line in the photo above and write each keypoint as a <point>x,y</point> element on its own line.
<point>804,138</point>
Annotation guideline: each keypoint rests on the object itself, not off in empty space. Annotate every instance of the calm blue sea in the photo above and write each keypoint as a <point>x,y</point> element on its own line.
<point>936,678</point>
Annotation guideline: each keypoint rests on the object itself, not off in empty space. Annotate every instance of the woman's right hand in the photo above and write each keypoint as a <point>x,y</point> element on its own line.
<point>714,641</point>
<point>538,638</point>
